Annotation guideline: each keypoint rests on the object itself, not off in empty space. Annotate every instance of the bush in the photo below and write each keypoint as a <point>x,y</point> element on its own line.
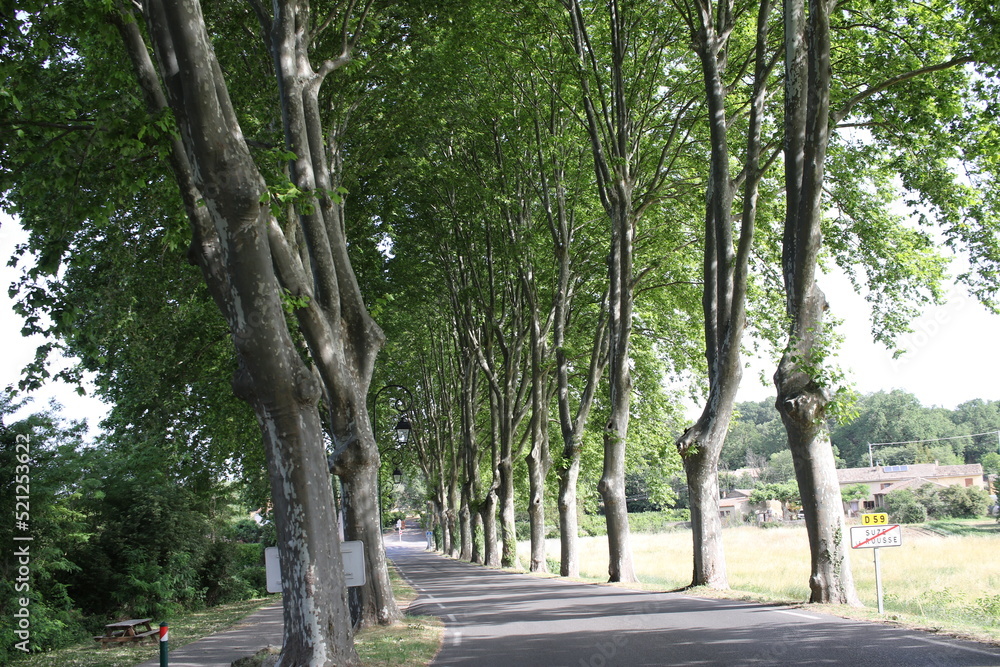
<point>911,513</point>
<point>964,503</point>
<point>928,495</point>
<point>904,507</point>
<point>592,525</point>
<point>245,530</point>
<point>937,503</point>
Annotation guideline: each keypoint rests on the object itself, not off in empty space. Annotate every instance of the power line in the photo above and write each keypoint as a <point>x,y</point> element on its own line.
<point>915,442</point>
<point>871,460</point>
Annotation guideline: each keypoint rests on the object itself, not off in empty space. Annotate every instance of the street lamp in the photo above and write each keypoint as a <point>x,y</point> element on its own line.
<point>402,430</point>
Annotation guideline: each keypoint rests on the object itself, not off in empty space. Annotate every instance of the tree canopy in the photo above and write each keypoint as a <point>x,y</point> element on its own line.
<point>550,222</point>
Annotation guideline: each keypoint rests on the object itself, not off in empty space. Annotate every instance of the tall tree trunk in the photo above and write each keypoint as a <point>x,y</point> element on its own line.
<point>343,339</point>
<point>491,556</point>
<point>725,274</point>
<point>221,188</point>
<point>378,604</point>
<point>488,510</point>
<point>445,524</point>
<point>571,428</point>
<point>538,466</point>
<point>477,529</point>
<point>465,523</point>
<point>312,574</point>
<point>538,459</point>
<point>569,530</point>
<point>802,400</point>
<point>612,483</point>
<point>802,404</point>
<point>455,506</point>
<point>470,452</point>
<point>508,532</point>
<point>701,467</point>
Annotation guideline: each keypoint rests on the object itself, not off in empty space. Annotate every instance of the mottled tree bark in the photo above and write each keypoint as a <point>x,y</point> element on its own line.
<point>725,273</point>
<point>802,400</point>
<point>222,187</point>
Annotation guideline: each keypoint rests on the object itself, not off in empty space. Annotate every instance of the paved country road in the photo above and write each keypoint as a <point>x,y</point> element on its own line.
<point>503,619</point>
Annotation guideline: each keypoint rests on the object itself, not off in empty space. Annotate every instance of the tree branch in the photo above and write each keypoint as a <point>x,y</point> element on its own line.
<point>888,83</point>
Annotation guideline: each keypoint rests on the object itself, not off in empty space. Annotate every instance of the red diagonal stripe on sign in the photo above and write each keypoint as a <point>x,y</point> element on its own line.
<point>875,537</point>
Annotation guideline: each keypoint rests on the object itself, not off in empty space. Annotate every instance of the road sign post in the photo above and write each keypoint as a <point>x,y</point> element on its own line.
<point>874,533</point>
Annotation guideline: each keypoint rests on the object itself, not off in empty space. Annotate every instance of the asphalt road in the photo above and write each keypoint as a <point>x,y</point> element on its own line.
<point>501,619</point>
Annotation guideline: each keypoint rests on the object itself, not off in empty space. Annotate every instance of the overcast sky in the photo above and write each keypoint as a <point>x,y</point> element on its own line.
<point>952,355</point>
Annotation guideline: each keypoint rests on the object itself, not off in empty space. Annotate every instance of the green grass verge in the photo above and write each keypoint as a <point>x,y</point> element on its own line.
<point>183,630</point>
<point>412,643</point>
<point>980,527</point>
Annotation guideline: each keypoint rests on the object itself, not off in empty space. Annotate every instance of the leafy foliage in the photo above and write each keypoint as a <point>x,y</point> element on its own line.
<point>113,537</point>
<point>936,502</point>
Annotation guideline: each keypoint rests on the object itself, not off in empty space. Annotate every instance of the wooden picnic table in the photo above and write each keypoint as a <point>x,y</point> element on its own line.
<point>132,630</point>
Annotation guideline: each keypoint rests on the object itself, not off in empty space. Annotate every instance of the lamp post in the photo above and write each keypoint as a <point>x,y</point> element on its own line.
<point>402,434</point>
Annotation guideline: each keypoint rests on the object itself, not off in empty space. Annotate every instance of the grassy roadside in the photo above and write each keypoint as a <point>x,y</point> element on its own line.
<point>183,630</point>
<point>412,643</point>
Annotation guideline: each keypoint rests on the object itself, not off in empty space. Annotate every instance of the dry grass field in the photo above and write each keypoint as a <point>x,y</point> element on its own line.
<point>948,582</point>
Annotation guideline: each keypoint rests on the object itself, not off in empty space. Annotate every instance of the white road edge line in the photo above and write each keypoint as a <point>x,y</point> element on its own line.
<point>951,645</point>
<point>457,638</point>
<point>451,617</point>
<point>799,614</point>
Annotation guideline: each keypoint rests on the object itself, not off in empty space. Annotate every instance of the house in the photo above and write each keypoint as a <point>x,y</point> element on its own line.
<point>736,504</point>
<point>882,480</point>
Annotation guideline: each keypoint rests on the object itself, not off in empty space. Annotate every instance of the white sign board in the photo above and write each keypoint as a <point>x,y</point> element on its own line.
<point>272,568</point>
<point>872,537</point>
<point>352,553</point>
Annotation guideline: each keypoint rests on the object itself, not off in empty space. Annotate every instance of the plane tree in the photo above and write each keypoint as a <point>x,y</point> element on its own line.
<point>250,253</point>
<point>633,102</point>
<point>926,79</point>
<point>737,56</point>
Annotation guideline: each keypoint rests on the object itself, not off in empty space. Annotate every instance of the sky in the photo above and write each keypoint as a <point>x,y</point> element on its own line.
<point>19,351</point>
<point>951,356</point>
<point>952,353</point>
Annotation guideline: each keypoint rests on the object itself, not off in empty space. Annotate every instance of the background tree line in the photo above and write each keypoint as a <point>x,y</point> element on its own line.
<point>560,219</point>
<point>934,434</point>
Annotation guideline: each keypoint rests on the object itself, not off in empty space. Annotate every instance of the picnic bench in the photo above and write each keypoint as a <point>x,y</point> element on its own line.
<point>132,630</point>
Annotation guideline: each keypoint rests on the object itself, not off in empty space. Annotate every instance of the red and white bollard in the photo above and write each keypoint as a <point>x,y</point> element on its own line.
<point>164,636</point>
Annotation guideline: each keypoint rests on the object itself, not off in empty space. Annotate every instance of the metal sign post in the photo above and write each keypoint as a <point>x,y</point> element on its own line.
<point>876,532</point>
<point>878,582</point>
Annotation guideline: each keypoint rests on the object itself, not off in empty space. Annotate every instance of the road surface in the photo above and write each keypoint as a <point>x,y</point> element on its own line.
<point>501,619</point>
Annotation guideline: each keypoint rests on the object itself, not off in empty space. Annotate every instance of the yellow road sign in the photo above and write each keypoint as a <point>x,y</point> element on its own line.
<point>875,519</point>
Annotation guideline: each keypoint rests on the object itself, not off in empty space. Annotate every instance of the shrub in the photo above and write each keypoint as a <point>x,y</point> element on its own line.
<point>245,530</point>
<point>959,502</point>
<point>928,495</point>
<point>911,513</point>
<point>592,525</point>
<point>903,507</point>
